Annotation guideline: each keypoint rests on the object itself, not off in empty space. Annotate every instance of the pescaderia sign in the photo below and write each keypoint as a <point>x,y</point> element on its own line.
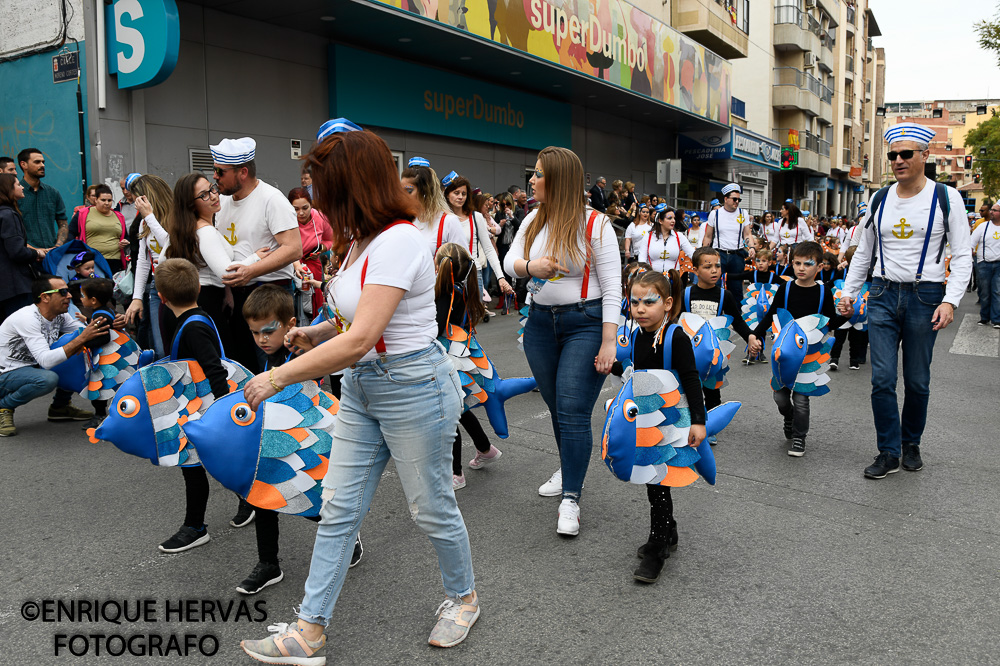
<point>737,143</point>
<point>611,40</point>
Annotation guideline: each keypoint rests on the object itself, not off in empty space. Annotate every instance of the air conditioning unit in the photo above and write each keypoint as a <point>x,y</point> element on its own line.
<point>809,60</point>
<point>810,4</point>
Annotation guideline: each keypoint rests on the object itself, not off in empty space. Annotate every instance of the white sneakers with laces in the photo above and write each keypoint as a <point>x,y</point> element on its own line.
<point>552,487</point>
<point>569,518</point>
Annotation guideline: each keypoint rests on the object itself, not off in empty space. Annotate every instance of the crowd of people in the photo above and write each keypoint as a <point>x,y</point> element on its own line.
<point>229,267</point>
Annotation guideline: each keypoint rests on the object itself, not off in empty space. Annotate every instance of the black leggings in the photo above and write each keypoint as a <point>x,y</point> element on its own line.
<point>479,440</point>
<point>661,513</point>
<point>196,494</point>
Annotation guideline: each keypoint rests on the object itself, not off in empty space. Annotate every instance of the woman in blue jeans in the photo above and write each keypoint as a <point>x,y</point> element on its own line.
<point>400,397</point>
<point>153,201</point>
<point>571,254</point>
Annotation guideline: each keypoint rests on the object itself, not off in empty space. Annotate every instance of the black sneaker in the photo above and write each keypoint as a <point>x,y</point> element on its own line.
<point>912,461</point>
<point>884,464</point>
<point>983,322</point>
<point>264,574</point>
<point>652,563</point>
<point>798,448</point>
<point>244,516</point>
<point>641,551</point>
<point>855,365</point>
<point>834,364</point>
<point>94,422</point>
<point>185,539</point>
<point>359,550</point>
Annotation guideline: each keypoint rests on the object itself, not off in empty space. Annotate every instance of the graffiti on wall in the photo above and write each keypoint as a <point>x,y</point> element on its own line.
<point>608,39</point>
<point>37,113</point>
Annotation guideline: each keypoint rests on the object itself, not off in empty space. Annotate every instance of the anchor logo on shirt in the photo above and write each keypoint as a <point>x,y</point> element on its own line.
<point>156,246</point>
<point>664,254</point>
<point>231,238</point>
<point>902,234</point>
<point>996,235</point>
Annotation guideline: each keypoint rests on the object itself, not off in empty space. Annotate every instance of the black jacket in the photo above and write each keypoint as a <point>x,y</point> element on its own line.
<point>597,198</point>
<point>16,258</point>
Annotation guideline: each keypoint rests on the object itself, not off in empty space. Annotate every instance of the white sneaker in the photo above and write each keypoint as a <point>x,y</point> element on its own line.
<point>552,487</point>
<point>569,518</point>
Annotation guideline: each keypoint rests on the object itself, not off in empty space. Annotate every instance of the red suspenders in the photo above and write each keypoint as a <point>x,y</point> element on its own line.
<point>586,270</point>
<point>380,345</point>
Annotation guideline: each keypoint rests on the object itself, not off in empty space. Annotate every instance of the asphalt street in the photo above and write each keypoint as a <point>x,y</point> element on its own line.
<point>785,560</point>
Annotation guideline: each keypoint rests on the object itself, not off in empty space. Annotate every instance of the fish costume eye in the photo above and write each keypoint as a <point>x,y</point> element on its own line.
<point>242,414</point>
<point>630,410</point>
<point>696,340</point>
<point>128,407</point>
<point>800,341</point>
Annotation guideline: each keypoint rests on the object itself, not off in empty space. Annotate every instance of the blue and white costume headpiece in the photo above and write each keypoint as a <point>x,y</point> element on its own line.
<point>334,126</point>
<point>909,132</point>
<point>449,179</point>
<point>234,151</point>
<point>418,161</point>
<point>731,187</point>
<point>714,202</point>
<point>130,180</point>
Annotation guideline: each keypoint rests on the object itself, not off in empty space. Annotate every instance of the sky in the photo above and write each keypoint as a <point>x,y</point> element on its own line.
<point>931,51</point>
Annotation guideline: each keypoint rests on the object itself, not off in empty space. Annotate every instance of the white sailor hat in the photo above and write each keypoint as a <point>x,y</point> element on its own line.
<point>660,208</point>
<point>418,161</point>
<point>789,200</point>
<point>909,132</point>
<point>730,188</point>
<point>234,151</point>
<point>130,179</point>
<point>862,207</point>
<point>334,126</point>
<point>806,213</point>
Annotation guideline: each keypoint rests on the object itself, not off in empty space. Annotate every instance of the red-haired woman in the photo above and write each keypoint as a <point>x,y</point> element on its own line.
<point>317,238</point>
<point>400,397</point>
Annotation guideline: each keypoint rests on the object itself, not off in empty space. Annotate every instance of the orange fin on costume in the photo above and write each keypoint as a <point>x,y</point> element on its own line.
<point>299,434</point>
<point>108,359</point>
<point>648,436</point>
<point>162,394</point>
<point>319,471</point>
<point>265,496</point>
<point>678,477</point>
<point>197,374</point>
<point>671,399</point>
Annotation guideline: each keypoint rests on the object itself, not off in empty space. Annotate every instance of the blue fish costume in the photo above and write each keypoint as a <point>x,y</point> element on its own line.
<point>97,374</point>
<point>276,457</point>
<point>800,357</point>
<point>711,345</point>
<point>481,384</point>
<point>858,320</point>
<point>757,302</point>
<point>152,408</point>
<point>645,438</point>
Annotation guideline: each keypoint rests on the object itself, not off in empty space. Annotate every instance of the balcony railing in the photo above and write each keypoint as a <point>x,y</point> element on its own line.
<point>848,111</point>
<point>850,64</point>
<point>807,141</point>
<point>789,76</point>
<point>846,156</point>
<point>851,15</point>
<point>786,14</point>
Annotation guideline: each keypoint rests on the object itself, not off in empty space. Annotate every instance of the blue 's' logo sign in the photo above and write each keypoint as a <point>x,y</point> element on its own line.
<point>143,40</point>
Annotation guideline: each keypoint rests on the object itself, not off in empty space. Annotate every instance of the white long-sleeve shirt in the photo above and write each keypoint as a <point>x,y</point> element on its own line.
<point>800,233</point>
<point>482,249</point>
<point>605,273</point>
<point>664,254</point>
<point>149,253</point>
<point>218,256</point>
<point>904,227</point>
<point>25,337</point>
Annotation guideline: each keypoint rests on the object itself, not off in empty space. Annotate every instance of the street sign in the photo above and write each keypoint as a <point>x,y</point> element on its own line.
<point>668,172</point>
<point>65,67</point>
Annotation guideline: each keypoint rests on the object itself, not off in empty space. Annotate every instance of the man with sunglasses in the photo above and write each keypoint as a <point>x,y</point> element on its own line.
<point>253,215</point>
<point>26,359</point>
<point>728,231</point>
<point>904,231</point>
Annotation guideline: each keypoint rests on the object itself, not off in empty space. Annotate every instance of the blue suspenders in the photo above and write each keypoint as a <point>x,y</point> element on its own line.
<point>927,239</point>
<point>199,318</point>
<point>687,299</point>
<point>822,295</point>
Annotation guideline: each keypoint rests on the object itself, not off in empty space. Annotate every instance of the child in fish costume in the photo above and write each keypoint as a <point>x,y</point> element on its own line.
<point>763,285</point>
<point>801,315</point>
<point>152,407</point>
<point>655,430</point>
<point>459,309</point>
<point>854,329</point>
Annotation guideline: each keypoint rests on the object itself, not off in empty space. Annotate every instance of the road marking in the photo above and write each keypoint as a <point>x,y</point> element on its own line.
<point>975,340</point>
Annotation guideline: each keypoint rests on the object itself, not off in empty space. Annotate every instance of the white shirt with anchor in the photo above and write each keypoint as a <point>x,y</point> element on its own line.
<point>903,231</point>
<point>986,242</point>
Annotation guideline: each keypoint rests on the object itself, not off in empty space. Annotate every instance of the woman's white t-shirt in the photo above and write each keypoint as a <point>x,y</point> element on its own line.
<point>696,235</point>
<point>636,233</point>
<point>605,272</point>
<point>392,263</point>
<point>800,233</point>
<point>664,254</point>
<point>452,232</point>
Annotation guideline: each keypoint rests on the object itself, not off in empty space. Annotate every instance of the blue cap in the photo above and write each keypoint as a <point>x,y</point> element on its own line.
<point>334,126</point>
<point>789,200</point>
<point>418,161</point>
<point>714,202</point>
<point>806,213</point>
<point>130,179</point>
<point>660,207</point>
<point>449,179</point>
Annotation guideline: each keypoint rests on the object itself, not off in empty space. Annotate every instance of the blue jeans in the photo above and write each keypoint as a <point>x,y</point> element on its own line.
<point>733,263</point>
<point>154,319</point>
<point>21,386</point>
<point>988,286</point>
<point>561,343</point>
<point>899,315</point>
<point>406,408</point>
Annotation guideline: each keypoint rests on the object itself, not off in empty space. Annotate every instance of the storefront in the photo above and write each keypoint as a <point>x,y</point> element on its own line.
<point>479,90</point>
<point>713,159</point>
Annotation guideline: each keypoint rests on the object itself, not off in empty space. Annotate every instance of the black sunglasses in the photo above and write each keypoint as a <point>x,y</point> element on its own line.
<point>736,199</point>
<point>62,292</point>
<point>905,154</point>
